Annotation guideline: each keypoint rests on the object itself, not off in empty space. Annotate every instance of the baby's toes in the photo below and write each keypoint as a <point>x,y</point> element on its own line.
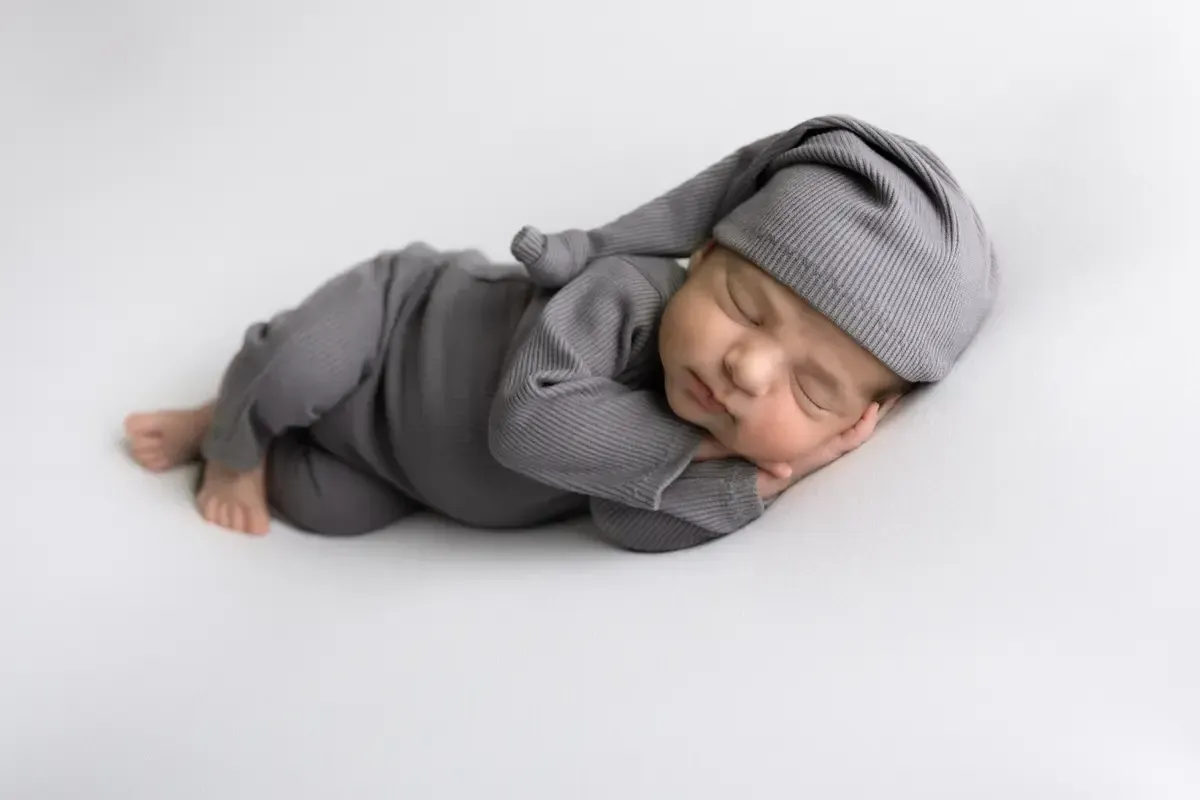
<point>135,425</point>
<point>237,518</point>
<point>148,455</point>
<point>225,515</point>
<point>143,426</point>
<point>258,521</point>
<point>210,509</point>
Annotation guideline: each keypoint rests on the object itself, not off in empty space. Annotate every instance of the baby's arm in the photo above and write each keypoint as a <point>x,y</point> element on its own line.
<point>694,511</point>
<point>709,500</point>
<point>562,417</point>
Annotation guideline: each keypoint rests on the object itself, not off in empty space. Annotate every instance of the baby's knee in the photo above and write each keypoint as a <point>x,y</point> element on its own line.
<point>304,506</point>
<point>312,491</point>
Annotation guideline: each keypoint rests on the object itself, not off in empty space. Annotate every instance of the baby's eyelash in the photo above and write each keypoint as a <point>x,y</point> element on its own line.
<point>736,304</point>
<point>808,396</point>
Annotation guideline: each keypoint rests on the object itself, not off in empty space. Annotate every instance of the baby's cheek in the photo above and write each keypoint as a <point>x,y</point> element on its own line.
<point>777,438</point>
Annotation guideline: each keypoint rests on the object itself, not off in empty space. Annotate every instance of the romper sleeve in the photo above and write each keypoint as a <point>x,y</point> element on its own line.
<point>562,417</point>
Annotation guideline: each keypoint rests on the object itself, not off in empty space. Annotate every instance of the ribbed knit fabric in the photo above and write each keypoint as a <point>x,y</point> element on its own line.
<point>869,227</point>
<point>671,225</point>
<point>580,407</point>
<point>710,499</point>
<point>408,382</point>
<point>422,379</point>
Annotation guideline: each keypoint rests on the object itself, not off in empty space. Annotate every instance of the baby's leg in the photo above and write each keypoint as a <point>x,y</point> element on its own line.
<point>296,367</point>
<point>290,371</point>
<point>164,439</point>
<point>160,440</point>
<point>317,492</point>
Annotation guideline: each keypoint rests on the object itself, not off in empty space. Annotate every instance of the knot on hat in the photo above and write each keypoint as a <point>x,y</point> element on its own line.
<point>552,260</point>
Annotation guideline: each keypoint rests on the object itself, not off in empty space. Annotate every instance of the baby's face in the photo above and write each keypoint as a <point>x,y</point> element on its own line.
<point>748,360</point>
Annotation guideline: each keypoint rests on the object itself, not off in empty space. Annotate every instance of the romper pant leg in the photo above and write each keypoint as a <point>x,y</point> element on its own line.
<point>299,364</point>
<point>315,491</point>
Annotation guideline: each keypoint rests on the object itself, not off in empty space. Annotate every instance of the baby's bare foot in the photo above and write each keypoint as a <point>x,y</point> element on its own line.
<point>234,500</point>
<point>160,440</point>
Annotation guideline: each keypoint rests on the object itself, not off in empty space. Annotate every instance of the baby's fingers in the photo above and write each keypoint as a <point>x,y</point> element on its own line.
<point>777,469</point>
<point>862,429</point>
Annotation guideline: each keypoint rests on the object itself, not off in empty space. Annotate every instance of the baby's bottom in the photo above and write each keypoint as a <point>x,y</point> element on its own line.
<point>289,372</point>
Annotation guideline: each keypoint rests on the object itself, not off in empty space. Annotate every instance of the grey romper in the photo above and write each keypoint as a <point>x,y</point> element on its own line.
<point>507,398</point>
<point>431,380</point>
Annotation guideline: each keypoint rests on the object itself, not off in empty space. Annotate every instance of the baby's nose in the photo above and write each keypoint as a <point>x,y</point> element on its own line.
<point>753,367</point>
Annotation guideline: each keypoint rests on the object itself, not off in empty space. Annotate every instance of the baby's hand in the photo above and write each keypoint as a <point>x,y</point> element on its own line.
<point>712,450</point>
<point>771,484</point>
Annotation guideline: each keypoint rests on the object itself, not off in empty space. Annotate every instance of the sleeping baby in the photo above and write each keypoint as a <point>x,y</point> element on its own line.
<point>833,268</point>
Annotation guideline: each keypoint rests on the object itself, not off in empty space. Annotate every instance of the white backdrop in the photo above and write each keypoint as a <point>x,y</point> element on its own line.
<point>994,599</point>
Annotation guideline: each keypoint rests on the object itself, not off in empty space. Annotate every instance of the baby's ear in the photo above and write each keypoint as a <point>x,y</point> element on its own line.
<point>700,254</point>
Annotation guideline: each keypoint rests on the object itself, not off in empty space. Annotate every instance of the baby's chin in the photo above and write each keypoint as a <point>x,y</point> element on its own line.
<point>762,454</point>
<point>757,455</point>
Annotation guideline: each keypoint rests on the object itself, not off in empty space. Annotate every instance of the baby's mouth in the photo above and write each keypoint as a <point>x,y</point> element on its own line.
<point>704,395</point>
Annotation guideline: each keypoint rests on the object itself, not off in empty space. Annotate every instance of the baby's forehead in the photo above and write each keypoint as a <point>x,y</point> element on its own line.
<point>809,323</point>
<point>785,299</point>
<point>829,348</point>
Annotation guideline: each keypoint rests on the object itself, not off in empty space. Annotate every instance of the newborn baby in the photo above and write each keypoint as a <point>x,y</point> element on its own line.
<point>832,268</point>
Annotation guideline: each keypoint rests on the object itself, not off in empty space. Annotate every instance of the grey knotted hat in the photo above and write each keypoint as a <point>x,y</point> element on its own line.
<point>870,228</point>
